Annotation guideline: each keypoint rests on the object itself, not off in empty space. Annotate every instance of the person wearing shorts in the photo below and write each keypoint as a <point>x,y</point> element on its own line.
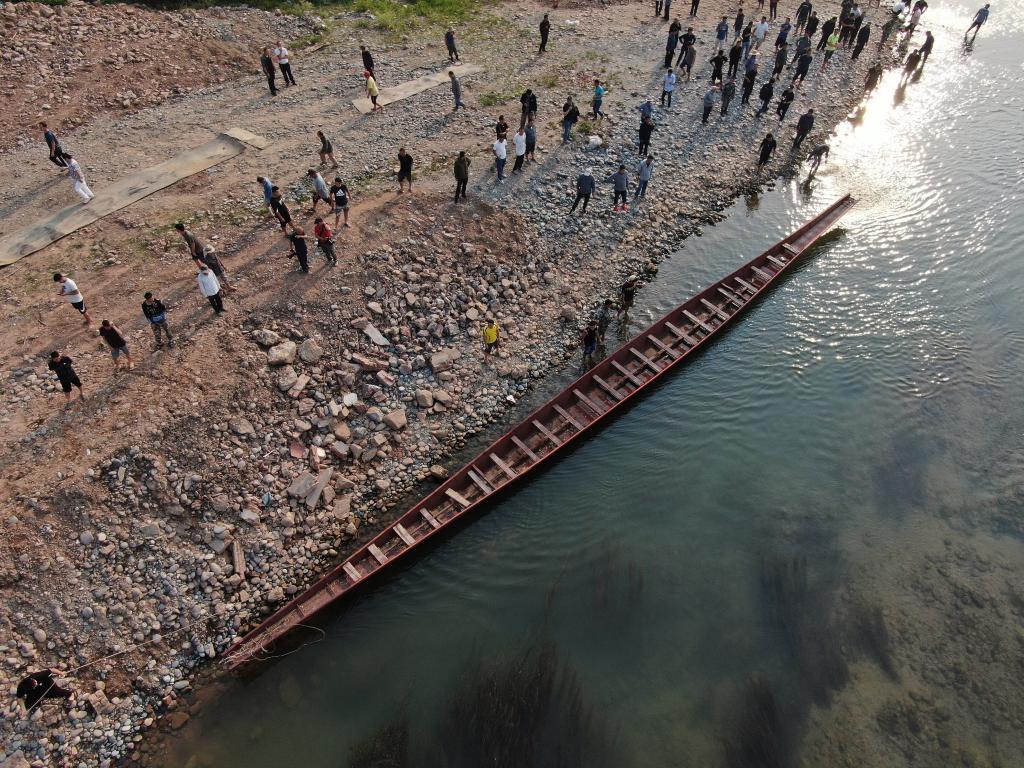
<point>320,191</point>
<point>404,170</point>
<point>118,346</point>
<point>68,289</point>
<point>326,150</point>
<point>490,336</point>
<point>61,365</point>
<point>280,208</point>
<point>339,202</point>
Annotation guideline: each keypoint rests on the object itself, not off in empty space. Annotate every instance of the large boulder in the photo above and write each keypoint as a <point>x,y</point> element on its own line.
<point>282,354</point>
<point>310,351</point>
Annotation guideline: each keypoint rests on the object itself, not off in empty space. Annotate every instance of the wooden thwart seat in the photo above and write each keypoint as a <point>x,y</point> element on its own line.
<point>478,479</point>
<point>608,387</point>
<point>731,297</point>
<point>456,497</point>
<point>681,334</point>
<point>761,273</point>
<point>791,248</point>
<point>379,556</point>
<point>634,380</point>
<point>430,519</point>
<point>597,410</point>
<point>715,309</point>
<point>551,436</point>
<point>509,472</point>
<point>775,261</point>
<point>744,284</point>
<point>404,535</point>
<point>568,417</point>
<point>645,360</point>
<point>524,448</point>
<point>697,321</point>
<point>351,572</point>
<point>662,346</point>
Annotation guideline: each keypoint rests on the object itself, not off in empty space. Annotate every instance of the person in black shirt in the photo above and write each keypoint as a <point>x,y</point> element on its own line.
<point>41,685</point>
<point>299,249</point>
<point>626,295</point>
<point>545,29</point>
<point>826,32</point>
<point>116,342</point>
<point>326,150</point>
<point>404,170</point>
<point>803,127</point>
<point>280,208</point>
<point>766,151</point>
<point>56,153</point>
<point>61,365</point>
<point>646,129</point>
<point>367,61</point>
<point>339,201</point>
<point>156,314</point>
<point>267,65</point>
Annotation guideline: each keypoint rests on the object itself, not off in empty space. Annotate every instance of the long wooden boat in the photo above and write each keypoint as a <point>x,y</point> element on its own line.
<point>551,428</point>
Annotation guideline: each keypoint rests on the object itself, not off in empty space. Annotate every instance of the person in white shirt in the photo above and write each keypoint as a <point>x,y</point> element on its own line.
<point>67,289</point>
<point>500,148</point>
<point>519,143</point>
<point>668,84</point>
<point>209,286</point>
<point>760,31</point>
<point>281,57</point>
<point>78,179</point>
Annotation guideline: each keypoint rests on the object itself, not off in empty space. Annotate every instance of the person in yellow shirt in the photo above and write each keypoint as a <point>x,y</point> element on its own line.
<point>490,336</point>
<point>371,90</point>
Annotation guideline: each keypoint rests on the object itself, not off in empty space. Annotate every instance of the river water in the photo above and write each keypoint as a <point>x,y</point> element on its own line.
<point>805,548</point>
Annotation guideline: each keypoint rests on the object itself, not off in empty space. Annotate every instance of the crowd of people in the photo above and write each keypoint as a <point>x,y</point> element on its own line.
<point>740,45</point>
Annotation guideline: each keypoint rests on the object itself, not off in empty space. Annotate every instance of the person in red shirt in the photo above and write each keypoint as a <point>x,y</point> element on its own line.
<point>325,240</point>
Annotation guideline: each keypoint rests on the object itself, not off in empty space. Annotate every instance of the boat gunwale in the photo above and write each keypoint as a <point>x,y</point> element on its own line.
<point>274,626</point>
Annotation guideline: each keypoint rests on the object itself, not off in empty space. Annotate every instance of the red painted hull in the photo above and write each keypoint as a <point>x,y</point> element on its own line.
<point>547,431</point>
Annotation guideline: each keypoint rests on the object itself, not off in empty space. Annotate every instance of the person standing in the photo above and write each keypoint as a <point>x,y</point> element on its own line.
<point>570,114</point>
<point>298,248</point>
<point>156,315</point>
<point>830,49</point>
<point>747,88</point>
<point>283,61</point>
<point>783,36</point>
<point>203,255</point>
<point>803,44</point>
<point>803,127</point>
<point>340,198</point>
<point>803,66</point>
<point>644,171</point>
<point>604,319</point>
<point>325,240</point>
<point>367,60</point>
<point>599,92</point>
<point>449,42</point>
<point>781,57</point>
<point>668,84</point>
<point>728,93</point>
<point>490,336</point>
<point>766,94</point>
<point>210,288</point>
<point>689,57</point>
<point>773,9</point>
<point>501,128</point>
<point>722,32</point>
<point>737,23</point>
<point>267,187</point>
<point>670,47</point>
<point>462,163</point>
<point>620,185</point>
<point>77,177</point>
<point>910,67</point>
<point>589,344</point>
<point>545,30</point>
<point>735,56</point>
<point>686,41</point>
<point>280,208</point>
<point>531,141</point>
<point>68,289</point>
<point>61,365</point>
<point>646,129</point>
<point>500,150</point>
<point>747,38</point>
<point>709,102</point>
<point>627,294</point>
<point>404,170</point>
<point>117,343</point>
<point>766,150</point>
<point>784,102</point>
<point>519,147</point>
<point>668,8</point>
<point>456,90</point>
<point>826,32</point>
<point>56,153</point>
<point>812,24</point>
<point>657,7</point>
<point>803,12</point>
<point>372,91</point>
<point>585,186</point>
<point>926,47</point>
<point>267,65</point>
<point>326,150</point>
<point>979,21</point>
<point>717,62</point>
<point>761,32</point>
<point>862,39</point>
<point>694,5</point>
<point>320,191</point>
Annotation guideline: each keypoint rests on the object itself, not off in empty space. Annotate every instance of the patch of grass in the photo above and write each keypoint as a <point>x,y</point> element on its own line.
<point>494,98</point>
<point>549,79</point>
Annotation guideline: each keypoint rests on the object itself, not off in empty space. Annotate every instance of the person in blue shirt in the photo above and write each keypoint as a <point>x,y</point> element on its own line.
<point>599,92</point>
<point>722,32</point>
<point>784,30</point>
<point>979,19</point>
<point>268,190</point>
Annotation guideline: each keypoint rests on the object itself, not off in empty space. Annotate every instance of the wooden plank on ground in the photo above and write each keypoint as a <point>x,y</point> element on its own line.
<point>607,387</point>
<point>663,346</point>
<point>633,379</point>
<point>238,558</point>
<point>509,472</point>
<point>568,417</point>
<point>404,535</point>
<point>697,321</point>
<point>379,556</point>
<point>594,407</point>
<point>645,360</point>
<point>456,497</point>
<point>524,448</point>
<point>722,314</point>
<point>551,436</point>
<point>412,87</point>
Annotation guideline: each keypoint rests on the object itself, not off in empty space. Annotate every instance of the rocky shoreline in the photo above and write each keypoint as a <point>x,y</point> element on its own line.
<point>217,497</point>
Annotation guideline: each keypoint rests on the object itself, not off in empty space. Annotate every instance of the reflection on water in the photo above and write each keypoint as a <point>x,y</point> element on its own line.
<point>806,549</point>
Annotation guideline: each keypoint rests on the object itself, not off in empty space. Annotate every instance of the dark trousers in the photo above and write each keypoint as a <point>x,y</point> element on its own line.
<point>286,72</point>
<point>733,68</point>
<point>666,95</point>
<point>518,164</point>
<point>857,50</point>
<point>543,43</point>
<point>746,95</point>
<point>216,302</point>
<point>694,4</point>
<point>725,106</point>
<point>781,111</point>
<point>668,57</point>
<point>800,136</point>
<point>272,83</point>
<point>585,197</point>
<point>303,260</point>
<point>707,112</point>
<point>764,107</point>
<point>645,145</point>
<point>821,43</point>
<point>658,4</point>
<point>327,247</point>
<point>460,188</point>
<point>620,193</point>
<point>57,158</point>
<point>453,53</point>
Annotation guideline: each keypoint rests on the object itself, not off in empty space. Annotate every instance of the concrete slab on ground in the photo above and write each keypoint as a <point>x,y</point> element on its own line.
<point>19,244</point>
<point>412,87</point>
